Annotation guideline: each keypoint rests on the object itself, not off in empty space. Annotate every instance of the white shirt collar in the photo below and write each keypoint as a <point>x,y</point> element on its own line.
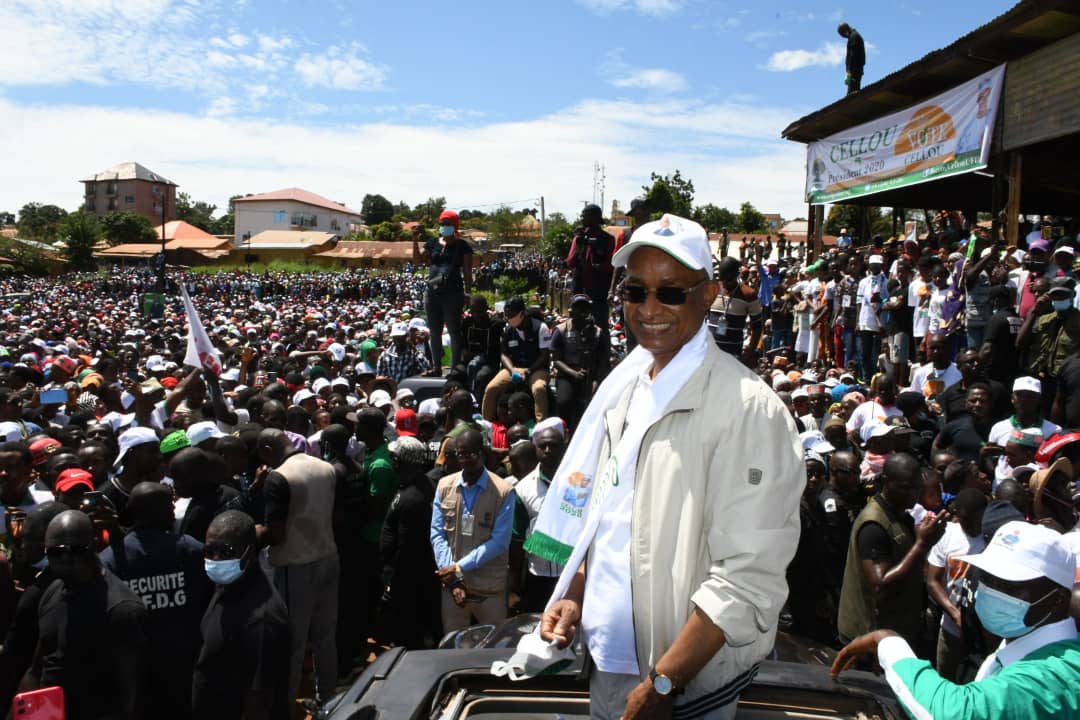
<point>1017,649</point>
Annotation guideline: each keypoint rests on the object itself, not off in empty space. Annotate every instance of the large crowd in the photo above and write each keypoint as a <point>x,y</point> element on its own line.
<point>368,453</point>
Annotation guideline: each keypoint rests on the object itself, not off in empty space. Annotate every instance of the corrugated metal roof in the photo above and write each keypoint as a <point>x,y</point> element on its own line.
<point>1028,26</point>
<point>128,171</point>
<point>375,249</point>
<point>139,250</point>
<point>299,195</point>
<point>287,240</point>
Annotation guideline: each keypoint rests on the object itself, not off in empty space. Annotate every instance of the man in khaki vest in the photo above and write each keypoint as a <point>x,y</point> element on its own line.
<point>471,523</point>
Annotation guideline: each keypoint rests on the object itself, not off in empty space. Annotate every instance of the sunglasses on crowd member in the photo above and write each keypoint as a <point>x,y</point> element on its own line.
<point>668,295</point>
<point>464,453</point>
<point>223,551</point>
<point>57,552</point>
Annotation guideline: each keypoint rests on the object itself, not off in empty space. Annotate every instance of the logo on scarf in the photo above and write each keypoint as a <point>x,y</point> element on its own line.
<point>577,494</point>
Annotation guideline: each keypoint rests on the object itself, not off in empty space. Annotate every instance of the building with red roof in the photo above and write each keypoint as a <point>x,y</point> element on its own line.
<point>291,209</point>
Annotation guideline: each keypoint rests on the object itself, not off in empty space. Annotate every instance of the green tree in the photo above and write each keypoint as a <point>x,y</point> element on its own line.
<point>127,226</point>
<point>670,194</point>
<point>428,211</point>
<point>226,224</point>
<point>376,209</point>
<point>714,219</point>
<point>472,215</point>
<point>197,213</point>
<point>749,219</point>
<point>387,231</point>
<point>40,222</point>
<point>7,218</point>
<point>81,231</point>
<point>557,239</point>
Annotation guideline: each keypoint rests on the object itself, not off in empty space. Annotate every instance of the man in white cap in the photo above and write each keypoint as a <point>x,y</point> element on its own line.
<point>873,289</point>
<point>1025,587</point>
<point>686,549</point>
<point>549,439</point>
<point>139,461</point>
<point>1027,414</point>
<point>400,361</point>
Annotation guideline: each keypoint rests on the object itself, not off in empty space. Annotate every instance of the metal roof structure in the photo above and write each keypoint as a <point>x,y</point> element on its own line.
<point>128,171</point>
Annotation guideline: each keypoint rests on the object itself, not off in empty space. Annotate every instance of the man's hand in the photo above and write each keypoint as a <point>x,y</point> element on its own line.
<point>1043,304</point>
<point>459,595</point>
<point>930,530</point>
<point>561,622</point>
<point>862,645</point>
<point>644,702</point>
<point>448,575</point>
<point>954,613</point>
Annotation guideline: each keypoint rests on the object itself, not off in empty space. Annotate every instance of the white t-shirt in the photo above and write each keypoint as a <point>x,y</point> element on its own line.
<point>917,290</point>
<point>999,435</point>
<point>608,613</point>
<point>871,410</point>
<point>949,376</point>
<point>953,544</point>
<point>531,491</point>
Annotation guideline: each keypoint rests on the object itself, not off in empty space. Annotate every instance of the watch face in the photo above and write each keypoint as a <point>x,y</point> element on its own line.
<point>662,685</point>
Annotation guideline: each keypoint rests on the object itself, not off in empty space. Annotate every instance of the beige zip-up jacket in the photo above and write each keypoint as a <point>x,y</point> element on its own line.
<point>715,519</point>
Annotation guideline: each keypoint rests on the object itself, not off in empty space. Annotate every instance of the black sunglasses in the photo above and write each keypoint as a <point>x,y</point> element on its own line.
<point>670,295</point>
<point>60,551</point>
<point>223,551</point>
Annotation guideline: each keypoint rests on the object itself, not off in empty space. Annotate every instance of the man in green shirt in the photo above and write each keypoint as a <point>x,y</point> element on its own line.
<point>382,481</point>
<point>1025,587</point>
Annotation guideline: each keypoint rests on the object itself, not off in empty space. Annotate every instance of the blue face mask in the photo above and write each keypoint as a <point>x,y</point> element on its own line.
<point>42,563</point>
<point>446,230</point>
<point>224,572</point>
<point>1002,614</point>
<point>1061,305</point>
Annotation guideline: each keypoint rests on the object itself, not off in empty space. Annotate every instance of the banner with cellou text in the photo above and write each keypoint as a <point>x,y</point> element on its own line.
<point>945,135</point>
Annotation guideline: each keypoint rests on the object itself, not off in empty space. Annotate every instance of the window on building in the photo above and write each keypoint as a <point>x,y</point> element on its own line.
<point>334,224</point>
<point>305,220</point>
<point>279,216</point>
<point>129,199</point>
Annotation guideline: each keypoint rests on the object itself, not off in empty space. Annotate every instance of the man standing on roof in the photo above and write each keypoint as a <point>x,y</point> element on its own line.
<point>856,57</point>
<point>590,260</point>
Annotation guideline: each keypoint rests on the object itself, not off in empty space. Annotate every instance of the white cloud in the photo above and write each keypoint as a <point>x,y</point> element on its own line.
<point>341,69</point>
<point>657,79</point>
<point>645,7</point>
<point>732,152</point>
<point>828,55</point>
<point>238,40</point>
<point>221,106</point>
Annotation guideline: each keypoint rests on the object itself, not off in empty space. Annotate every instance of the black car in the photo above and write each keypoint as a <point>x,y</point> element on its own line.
<point>455,684</point>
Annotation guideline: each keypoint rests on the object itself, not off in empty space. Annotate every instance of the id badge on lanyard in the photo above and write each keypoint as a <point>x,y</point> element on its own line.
<point>467,522</point>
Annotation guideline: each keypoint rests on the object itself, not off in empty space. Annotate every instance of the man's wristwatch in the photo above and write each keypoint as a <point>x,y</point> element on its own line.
<point>663,685</point>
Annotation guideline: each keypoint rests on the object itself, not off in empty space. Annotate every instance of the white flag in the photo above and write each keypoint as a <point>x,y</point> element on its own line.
<point>200,351</point>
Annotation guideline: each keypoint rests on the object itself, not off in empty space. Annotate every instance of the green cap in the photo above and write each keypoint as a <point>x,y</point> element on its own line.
<point>176,440</point>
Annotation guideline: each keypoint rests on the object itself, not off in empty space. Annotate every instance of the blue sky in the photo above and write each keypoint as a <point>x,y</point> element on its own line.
<point>483,102</point>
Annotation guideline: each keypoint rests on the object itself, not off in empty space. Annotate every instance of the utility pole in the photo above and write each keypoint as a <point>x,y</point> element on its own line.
<point>161,267</point>
<point>543,220</point>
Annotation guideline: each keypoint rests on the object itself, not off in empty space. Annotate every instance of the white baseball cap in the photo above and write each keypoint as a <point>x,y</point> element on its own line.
<point>200,432</point>
<point>682,239</point>
<point>155,363</point>
<point>399,329</point>
<point>874,429</point>
<point>231,375</point>
<point>1067,249</point>
<point>1027,384</point>
<point>319,384</point>
<point>337,350</point>
<point>380,399</point>
<point>876,260</point>
<point>301,395</point>
<point>404,393</point>
<point>1021,551</point>
<point>133,438</point>
<point>800,393</point>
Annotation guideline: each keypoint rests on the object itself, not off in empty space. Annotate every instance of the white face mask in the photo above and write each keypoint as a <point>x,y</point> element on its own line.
<point>535,657</point>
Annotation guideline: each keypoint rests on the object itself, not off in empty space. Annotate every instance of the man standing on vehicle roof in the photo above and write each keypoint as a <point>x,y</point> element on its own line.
<point>689,529</point>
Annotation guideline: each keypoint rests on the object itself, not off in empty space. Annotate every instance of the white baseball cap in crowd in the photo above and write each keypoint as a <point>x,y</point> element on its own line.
<point>10,431</point>
<point>318,384</point>
<point>682,239</point>
<point>200,432</point>
<point>380,399</point>
<point>876,260</point>
<point>1021,551</point>
<point>800,393</point>
<point>1064,250</point>
<point>399,329</point>
<point>301,395</point>
<point>404,393</point>
<point>337,351</point>
<point>418,324</point>
<point>155,363</point>
<point>134,437</point>
<point>231,375</point>
<point>874,429</point>
<point>1027,384</point>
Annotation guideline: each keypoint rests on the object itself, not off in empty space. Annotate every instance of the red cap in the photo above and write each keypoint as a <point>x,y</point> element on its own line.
<point>73,477</point>
<point>66,363</point>
<point>406,422</point>
<point>451,216</point>
<point>169,382</point>
<point>41,450</point>
<point>1054,445</point>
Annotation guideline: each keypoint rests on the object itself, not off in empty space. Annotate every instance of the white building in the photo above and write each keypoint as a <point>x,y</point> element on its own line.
<point>291,209</point>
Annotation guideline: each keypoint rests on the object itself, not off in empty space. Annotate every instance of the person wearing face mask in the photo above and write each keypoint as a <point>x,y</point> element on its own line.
<point>166,571</point>
<point>1025,585</point>
<point>32,571</point>
<point>243,667</point>
<point>1051,333</point>
<point>449,281</point>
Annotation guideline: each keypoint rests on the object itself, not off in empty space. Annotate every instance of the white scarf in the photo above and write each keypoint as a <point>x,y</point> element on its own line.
<point>571,512</point>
